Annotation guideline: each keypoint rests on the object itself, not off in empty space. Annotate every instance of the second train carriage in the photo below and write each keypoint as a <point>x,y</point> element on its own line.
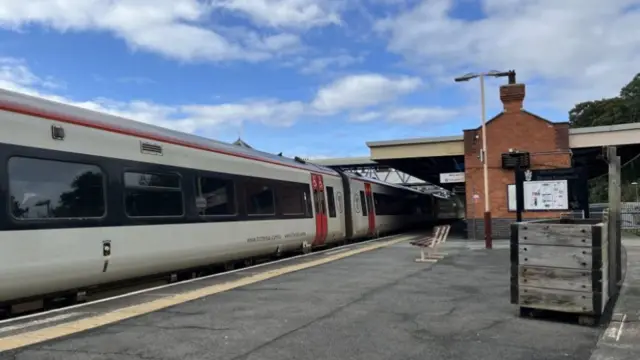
<point>93,198</point>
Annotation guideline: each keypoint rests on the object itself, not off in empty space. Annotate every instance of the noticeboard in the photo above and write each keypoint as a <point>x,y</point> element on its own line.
<point>549,195</point>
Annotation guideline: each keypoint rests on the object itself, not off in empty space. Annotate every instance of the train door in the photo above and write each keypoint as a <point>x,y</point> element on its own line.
<point>371,213</point>
<point>317,185</point>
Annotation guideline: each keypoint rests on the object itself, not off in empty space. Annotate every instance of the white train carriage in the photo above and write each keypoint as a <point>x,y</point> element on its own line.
<point>379,207</point>
<point>93,198</point>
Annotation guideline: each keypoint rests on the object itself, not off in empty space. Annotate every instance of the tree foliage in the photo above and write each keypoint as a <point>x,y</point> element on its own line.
<point>622,109</point>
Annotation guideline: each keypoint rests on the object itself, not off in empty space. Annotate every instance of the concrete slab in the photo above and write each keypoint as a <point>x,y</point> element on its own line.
<point>375,305</point>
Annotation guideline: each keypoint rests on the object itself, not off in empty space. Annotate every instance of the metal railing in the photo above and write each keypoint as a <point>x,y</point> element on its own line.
<point>629,215</point>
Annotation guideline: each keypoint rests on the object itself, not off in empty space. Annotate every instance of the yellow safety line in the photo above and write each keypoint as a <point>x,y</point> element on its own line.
<point>49,333</point>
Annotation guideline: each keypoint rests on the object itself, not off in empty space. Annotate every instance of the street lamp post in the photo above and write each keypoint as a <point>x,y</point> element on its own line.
<point>487,210</point>
<point>635,183</point>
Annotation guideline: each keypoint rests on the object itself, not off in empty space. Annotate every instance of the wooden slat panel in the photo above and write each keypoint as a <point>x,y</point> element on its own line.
<point>557,300</point>
<point>555,256</point>
<point>555,234</point>
<point>555,278</point>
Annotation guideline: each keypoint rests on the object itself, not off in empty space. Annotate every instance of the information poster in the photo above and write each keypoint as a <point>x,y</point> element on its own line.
<point>546,195</point>
<point>541,195</point>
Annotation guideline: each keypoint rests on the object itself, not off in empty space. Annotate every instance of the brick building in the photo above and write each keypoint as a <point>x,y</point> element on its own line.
<point>513,128</point>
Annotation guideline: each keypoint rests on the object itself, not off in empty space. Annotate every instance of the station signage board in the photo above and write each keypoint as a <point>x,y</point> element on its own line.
<point>450,178</point>
<point>541,195</point>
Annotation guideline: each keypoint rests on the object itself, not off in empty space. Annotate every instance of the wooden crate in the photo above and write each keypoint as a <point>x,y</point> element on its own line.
<point>560,265</point>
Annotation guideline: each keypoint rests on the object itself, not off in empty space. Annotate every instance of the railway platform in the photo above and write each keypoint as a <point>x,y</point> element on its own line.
<point>621,340</point>
<point>364,301</point>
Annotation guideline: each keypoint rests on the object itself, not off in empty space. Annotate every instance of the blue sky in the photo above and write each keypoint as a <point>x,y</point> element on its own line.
<point>315,78</point>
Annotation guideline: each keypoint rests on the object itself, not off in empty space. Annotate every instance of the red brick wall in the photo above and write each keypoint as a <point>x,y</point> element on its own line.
<point>547,142</point>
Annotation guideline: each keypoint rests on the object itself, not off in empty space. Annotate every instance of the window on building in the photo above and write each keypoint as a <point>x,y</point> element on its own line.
<point>50,189</point>
<point>153,194</point>
<point>218,195</point>
<point>331,202</point>
<point>259,198</point>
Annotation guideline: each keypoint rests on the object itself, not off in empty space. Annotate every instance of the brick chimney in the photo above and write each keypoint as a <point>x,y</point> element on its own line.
<point>512,96</point>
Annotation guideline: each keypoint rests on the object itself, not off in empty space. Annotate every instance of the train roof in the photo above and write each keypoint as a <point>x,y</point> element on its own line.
<point>35,106</point>
<point>53,110</point>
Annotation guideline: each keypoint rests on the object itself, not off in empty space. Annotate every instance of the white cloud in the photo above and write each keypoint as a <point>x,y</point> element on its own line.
<point>420,115</point>
<point>321,64</point>
<point>270,112</point>
<point>408,115</point>
<point>360,91</point>
<point>366,117</point>
<point>15,75</point>
<point>575,49</point>
<point>216,120</point>
<point>284,13</point>
<point>179,29</point>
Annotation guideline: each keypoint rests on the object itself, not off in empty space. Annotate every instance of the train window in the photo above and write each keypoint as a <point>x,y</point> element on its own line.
<point>380,202</point>
<point>292,200</point>
<point>363,204</point>
<point>260,199</point>
<point>51,189</point>
<point>307,201</point>
<point>370,203</point>
<point>322,202</point>
<point>331,202</point>
<point>218,195</point>
<point>386,204</point>
<point>153,194</point>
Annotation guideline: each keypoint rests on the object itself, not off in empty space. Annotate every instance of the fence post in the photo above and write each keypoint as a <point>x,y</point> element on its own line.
<point>615,246</point>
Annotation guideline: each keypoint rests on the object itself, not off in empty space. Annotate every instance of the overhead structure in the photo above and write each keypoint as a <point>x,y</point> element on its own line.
<point>423,158</point>
<point>369,168</point>
<point>435,159</point>
<point>366,167</point>
<point>455,162</point>
<point>440,160</point>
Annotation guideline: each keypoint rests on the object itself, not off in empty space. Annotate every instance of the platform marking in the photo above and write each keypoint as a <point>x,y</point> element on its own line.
<point>336,251</point>
<point>614,330</point>
<point>621,326</point>
<point>189,281</point>
<point>38,322</point>
<point>56,331</point>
